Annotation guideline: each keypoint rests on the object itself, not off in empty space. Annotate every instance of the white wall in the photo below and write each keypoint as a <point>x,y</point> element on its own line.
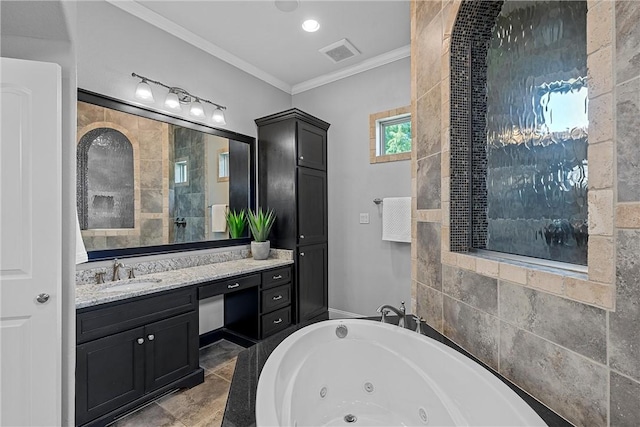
<point>364,271</point>
<point>53,27</point>
<point>112,44</point>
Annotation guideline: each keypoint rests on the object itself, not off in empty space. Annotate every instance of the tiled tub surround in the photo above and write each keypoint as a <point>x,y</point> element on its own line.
<point>569,339</point>
<point>174,273</point>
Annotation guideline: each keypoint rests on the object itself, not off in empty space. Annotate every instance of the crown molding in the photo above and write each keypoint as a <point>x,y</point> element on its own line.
<point>151,17</point>
<point>136,9</point>
<point>369,64</point>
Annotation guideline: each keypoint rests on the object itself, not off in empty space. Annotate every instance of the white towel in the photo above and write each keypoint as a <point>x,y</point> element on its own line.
<point>81,251</point>
<point>396,219</point>
<point>218,218</point>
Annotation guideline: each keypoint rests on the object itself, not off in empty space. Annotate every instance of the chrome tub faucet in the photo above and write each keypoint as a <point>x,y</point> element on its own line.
<point>400,312</point>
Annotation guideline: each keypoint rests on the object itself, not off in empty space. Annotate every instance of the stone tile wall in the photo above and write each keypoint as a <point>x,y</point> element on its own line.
<point>150,141</point>
<point>571,340</point>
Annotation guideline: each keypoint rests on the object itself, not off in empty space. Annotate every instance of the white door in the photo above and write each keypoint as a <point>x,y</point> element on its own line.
<point>30,230</point>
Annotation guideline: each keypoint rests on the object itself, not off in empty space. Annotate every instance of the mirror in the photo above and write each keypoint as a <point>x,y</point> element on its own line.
<point>150,183</point>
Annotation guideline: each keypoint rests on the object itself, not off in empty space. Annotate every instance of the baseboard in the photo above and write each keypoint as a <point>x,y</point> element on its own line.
<point>334,313</point>
<point>224,333</point>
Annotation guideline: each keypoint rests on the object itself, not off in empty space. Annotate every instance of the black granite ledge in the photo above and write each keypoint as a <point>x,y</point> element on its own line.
<point>241,410</point>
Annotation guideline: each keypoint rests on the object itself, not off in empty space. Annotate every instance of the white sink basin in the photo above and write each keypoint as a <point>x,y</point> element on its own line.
<point>131,286</point>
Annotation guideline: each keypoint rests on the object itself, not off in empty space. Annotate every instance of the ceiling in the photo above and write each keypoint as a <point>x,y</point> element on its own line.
<point>258,38</point>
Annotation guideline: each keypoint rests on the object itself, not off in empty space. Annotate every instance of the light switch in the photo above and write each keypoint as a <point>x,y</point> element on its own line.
<point>364,218</point>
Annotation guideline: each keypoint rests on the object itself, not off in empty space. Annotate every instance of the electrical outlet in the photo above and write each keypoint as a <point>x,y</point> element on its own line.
<point>364,218</point>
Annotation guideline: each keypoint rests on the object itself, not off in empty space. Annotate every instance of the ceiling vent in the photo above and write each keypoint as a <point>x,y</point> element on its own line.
<point>340,50</point>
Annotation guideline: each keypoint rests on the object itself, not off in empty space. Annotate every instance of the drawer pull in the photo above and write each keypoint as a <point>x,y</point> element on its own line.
<point>233,286</point>
<point>277,297</point>
<point>279,276</point>
<point>275,322</point>
<point>140,340</point>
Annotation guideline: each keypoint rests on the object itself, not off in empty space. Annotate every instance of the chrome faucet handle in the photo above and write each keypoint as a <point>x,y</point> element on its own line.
<point>402,320</point>
<point>100,277</point>
<point>383,318</point>
<point>131,274</point>
<point>419,321</point>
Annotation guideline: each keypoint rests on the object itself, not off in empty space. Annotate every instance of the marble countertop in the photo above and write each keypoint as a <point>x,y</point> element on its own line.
<point>93,294</point>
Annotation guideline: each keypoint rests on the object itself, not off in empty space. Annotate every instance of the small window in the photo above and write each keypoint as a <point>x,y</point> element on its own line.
<point>394,135</point>
<point>181,172</point>
<point>390,135</point>
<point>223,165</point>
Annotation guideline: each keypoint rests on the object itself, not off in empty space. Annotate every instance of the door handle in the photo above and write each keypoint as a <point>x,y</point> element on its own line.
<point>233,286</point>
<point>277,297</point>
<point>42,298</point>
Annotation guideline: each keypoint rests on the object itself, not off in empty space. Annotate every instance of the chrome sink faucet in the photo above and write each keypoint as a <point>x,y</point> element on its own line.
<point>116,269</point>
<point>400,312</point>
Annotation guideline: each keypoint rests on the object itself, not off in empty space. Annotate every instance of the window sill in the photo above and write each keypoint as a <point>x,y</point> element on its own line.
<point>545,277</point>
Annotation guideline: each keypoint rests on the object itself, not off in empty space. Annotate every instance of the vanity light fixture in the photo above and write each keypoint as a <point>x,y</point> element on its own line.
<point>143,92</point>
<point>310,25</point>
<point>176,97</point>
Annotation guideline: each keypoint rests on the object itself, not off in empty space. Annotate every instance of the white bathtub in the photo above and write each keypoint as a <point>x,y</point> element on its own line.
<point>380,375</point>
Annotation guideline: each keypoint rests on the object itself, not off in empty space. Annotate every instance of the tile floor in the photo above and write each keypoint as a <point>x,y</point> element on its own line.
<point>200,406</point>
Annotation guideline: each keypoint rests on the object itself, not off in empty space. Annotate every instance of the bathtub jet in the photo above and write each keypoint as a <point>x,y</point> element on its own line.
<point>380,375</point>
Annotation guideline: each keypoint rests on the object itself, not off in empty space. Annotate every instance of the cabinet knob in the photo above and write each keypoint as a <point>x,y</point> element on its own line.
<point>277,297</point>
<point>302,236</point>
<point>140,340</point>
<point>42,298</point>
<point>301,253</point>
<point>233,286</point>
<point>151,337</point>
<point>275,322</point>
<point>301,157</point>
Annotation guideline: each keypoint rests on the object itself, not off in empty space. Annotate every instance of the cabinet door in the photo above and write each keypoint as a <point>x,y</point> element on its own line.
<point>312,206</point>
<point>312,146</point>
<point>109,373</point>
<point>171,348</point>
<point>312,281</point>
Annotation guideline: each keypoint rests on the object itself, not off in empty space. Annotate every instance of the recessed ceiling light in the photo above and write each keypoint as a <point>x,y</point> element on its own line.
<point>310,25</point>
<point>287,5</point>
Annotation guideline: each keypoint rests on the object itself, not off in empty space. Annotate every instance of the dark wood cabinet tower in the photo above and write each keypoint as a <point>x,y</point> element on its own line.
<point>292,171</point>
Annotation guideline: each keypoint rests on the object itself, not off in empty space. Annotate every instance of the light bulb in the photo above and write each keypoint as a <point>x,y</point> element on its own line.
<point>218,116</point>
<point>143,92</point>
<point>310,25</point>
<point>172,101</point>
<point>197,110</point>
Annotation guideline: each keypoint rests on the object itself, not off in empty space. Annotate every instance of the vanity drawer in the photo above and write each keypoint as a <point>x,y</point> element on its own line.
<point>100,322</point>
<point>275,298</point>
<point>276,277</point>
<point>226,286</point>
<point>276,321</point>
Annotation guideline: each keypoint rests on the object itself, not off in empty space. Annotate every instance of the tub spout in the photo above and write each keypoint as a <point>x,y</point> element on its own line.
<point>400,312</point>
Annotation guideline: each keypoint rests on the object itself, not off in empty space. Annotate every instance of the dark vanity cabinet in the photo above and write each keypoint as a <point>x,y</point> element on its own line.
<point>292,170</point>
<point>134,350</point>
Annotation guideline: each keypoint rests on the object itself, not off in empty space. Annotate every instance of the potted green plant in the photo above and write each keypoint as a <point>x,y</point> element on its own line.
<point>260,224</point>
<point>236,222</point>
